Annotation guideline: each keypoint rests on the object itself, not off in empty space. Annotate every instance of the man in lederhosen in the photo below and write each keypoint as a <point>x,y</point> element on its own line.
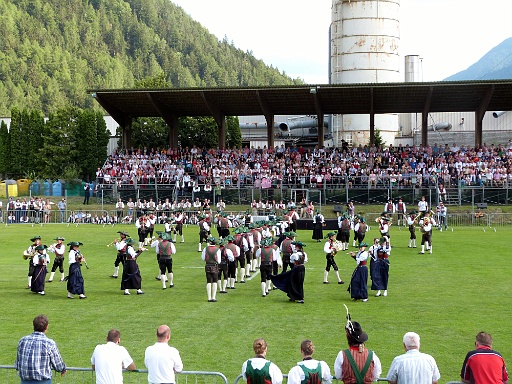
<point>121,252</point>
<point>59,249</point>
<point>226,257</point>
<point>165,249</point>
<point>330,252</point>
<point>211,256</point>
<point>287,249</point>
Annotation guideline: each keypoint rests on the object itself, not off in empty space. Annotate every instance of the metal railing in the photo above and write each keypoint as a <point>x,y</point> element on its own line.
<point>74,375</point>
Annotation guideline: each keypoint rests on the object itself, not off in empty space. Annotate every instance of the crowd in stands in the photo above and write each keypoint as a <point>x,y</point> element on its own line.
<point>195,169</point>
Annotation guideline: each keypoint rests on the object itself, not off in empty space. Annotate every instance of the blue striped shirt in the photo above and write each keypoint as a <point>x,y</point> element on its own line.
<point>36,357</point>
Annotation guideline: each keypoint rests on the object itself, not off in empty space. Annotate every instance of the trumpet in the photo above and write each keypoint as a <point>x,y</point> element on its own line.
<point>113,242</point>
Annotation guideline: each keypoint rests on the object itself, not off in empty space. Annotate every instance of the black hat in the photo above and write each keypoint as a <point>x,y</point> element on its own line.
<point>356,333</point>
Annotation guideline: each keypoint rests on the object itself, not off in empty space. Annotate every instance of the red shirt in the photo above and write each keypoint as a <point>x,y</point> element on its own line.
<point>484,366</point>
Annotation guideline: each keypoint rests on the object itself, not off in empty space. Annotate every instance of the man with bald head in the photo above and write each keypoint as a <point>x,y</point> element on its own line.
<point>162,360</point>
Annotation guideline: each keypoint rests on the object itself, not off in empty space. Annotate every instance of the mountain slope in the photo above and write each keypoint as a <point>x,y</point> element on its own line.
<point>494,65</point>
<point>51,51</point>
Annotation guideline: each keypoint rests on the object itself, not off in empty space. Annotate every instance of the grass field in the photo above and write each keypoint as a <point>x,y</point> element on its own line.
<point>446,297</point>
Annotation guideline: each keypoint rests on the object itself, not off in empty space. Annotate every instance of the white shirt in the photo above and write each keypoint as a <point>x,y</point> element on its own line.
<point>257,363</point>
<point>296,374</point>
<point>413,367</point>
<point>162,361</point>
<point>109,360</point>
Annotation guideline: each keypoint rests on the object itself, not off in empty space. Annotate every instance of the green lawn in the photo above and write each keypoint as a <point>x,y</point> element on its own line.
<point>447,297</point>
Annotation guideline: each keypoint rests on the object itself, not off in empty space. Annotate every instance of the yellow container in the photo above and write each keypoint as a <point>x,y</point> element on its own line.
<point>23,186</point>
<point>8,188</point>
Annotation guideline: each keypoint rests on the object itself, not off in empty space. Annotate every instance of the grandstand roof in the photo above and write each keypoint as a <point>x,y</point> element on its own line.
<point>459,96</point>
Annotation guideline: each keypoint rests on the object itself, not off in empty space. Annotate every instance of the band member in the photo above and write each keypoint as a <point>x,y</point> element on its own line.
<point>131,278</point>
<point>287,249</point>
<point>330,252</point>
<point>441,216</point>
<point>247,234</point>
<point>360,230</point>
<point>389,208</point>
<point>151,218</point>
<point>211,256</point>
<point>121,252</point>
<point>344,230</point>
<point>380,272</point>
<point>401,209</point>
<point>204,230</point>
<point>235,250</point>
<point>267,254</point>
<point>164,251</point>
<point>256,239</point>
<point>294,216</point>
<point>242,243</point>
<point>29,254</point>
<point>372,255</point>
<point>169,225</point>
<point>422,207</point>
<point>292,282</point>
<point>59,249</point>
<point>384,230</point>
<point>40,260</point>
<point>412,220</point>
<point>142,224</point>
<point>318,223</point>
<point>226,257</point>
<point>179,218</point>
<point>75,284</point>
<point>426,237</point>
<point>358,283</point>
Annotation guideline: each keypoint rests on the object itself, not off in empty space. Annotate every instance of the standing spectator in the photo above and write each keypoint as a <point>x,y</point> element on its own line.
<point>441,216</point>
<point>483,365</point>
<point>62,209</point>
<point>87,192</point>
<point>37,355</point>
<point>162,360</point>
<point>357,364</point>
<point>119,209</point>
<point>422,207</point>
<point>304,369</point>
<point>414,366</point>
<point>1,212</point>
<point>258,369</point>
<point>109,360</point>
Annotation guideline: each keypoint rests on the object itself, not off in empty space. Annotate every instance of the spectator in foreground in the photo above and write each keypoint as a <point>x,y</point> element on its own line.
<point>258,369</point>
<point>483,364</point>
<point>309,370</point>
<point>109,360</point>
<point>162,360</point>
<point>37,355</point>
<point>413,366</point>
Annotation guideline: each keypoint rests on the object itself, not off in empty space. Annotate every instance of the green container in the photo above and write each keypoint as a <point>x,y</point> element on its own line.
<point>73,188</point>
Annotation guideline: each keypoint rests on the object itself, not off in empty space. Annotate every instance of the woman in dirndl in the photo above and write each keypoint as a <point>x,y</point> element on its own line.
<point>358,283</point>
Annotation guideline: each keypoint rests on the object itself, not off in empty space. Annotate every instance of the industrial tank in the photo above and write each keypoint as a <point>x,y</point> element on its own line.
<point>365,37</point>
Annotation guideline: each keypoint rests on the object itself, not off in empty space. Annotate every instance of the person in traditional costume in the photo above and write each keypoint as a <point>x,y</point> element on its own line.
<point>75,284</point>
<point>287,249</point>
<point>330,252</point>
<point>380,272</point>
<point>357,288</point>
<point>131,278</point>
<point>121,246</point>
<point>309,370</point>
<point>164,250</point>
<point>29,255</point>
<point>357,364</point>
<point>226,256</point>
<point>318,224</point>
<point>412,220</point>
<point>343,230</point>
<point>235,250</point>
<point>212,257</point>
<point>59,249</point>
<point>260,370</point>
<point>40,260</point>
<point>292,282</point>
<point>266,253</point>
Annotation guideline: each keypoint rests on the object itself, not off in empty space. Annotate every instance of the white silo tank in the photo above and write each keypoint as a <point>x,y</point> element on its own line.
<point>365,36</point>
<point>409,121</point>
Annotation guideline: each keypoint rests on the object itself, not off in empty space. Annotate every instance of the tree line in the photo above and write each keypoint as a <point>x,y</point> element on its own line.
<point>52,51</point>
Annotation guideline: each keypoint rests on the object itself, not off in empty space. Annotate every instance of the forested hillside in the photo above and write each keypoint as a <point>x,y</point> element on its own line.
<point>51,51</point>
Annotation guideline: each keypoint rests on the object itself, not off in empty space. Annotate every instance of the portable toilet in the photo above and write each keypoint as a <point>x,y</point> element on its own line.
<point>47,188</point>
<point>34,188</point>
<point>3,189</point>
<point>57,188</point>
<point>12,188</point>
<point>23,186</point>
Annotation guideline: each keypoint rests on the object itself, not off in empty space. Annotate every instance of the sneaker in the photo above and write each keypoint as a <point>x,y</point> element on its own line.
<point>385,293</point>
<point>82,296</point>
<point>41,293</point>
<point>365,300</point>
<point>377,294</point>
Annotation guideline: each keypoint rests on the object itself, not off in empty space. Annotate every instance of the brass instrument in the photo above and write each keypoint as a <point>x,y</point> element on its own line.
<point>81,258</point>
<point>28,255</point>
<point>148,241</point>
<point>336,246</point>
<point>113,242</point>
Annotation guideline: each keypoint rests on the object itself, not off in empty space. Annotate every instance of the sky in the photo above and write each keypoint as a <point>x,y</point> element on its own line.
<point>293,35</point>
